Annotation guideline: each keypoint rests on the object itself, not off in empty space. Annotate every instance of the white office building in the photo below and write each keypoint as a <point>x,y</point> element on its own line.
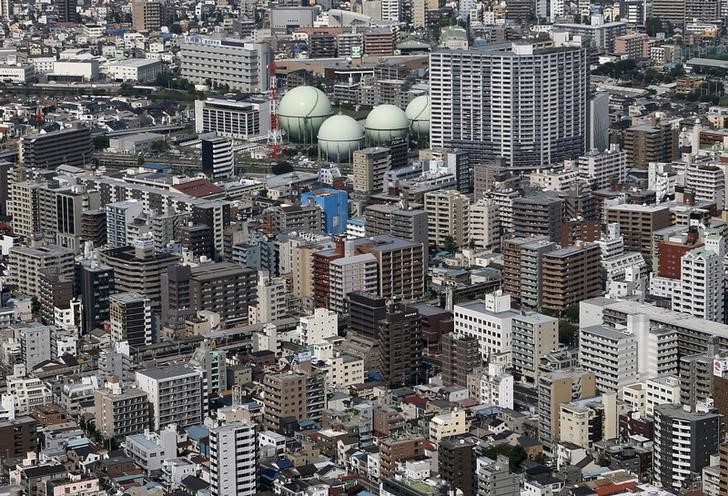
<point>241,65</point>
<point>656,347</point>
<point>702,285</point>
<point>663,390</point>
<point>496,387</point>
<point>610,354</point>
<point>535,113</point>
<point>150,449</point>
<point>316,328</point>
<point>232,119</point>
<point>489,321</point>
<point>233,460</point>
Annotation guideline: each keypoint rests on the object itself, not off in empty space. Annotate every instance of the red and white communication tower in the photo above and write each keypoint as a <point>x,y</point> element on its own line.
<point>275,138</point>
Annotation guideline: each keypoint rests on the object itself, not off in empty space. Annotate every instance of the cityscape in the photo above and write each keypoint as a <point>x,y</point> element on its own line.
<point>359,248</point>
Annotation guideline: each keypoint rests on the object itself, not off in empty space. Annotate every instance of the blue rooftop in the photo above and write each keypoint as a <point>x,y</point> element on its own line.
<point>197,432</point>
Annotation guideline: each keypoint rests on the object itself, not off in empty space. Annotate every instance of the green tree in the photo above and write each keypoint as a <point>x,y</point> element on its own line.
<point>282,167</point>
<point>653,25</point>
<point>101,142</point>
<point>516,455</point>
<point>568,333</point>
<point>449,244</point>
<point>159,146</point>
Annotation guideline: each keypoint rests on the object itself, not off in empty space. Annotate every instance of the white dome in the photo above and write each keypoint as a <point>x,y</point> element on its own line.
<point>301,112</point>
<point>339,136</point>
<point>384,123</point>
<point>418,114</point>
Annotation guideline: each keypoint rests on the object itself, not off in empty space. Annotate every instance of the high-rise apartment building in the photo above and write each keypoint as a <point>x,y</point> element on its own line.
<point>175,392</point>
<point>533,335</point>
<point>96,283</point>
<point>602,169</point>
<point>334,204</point>
<point>369,167</point>
<point>400,345</point>
<point>365,311</point>
<point>234,459</point>
<point>225,288</point>
<point>131,319</point>
<point>647,143</point>
<point>64,147</point>
<point>149,15</point>
<point>292,395</point>
<point>701,292</point>
<point>23,206</point>
<point>495,477</point>
<point>570,275</point>
<point>25,264</point>
<point>18,436</point>
<point>459,358</point>
<point>138,269</point>
<point>610,354</point>
<point>526,102</point>
<point>121,412</point>
<point>684,442</point>
<point>66,10</point>
<point>119,216</point>
<point>484,227</point>
<point>231,118</point>
<point>456,459</point>
<point>538,215</point>
<point>56,292</point>
<point>35,343</point>
<point>272,299</point>
<point>554,389</point>
<point>404,223</point>
<point>708,183</point>
<point>447,217</point>
<point>218,158</point>
<point>637,223</point>
<point>522,259</point>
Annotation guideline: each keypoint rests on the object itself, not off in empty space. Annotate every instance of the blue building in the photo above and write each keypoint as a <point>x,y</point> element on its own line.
<point>335,204</point>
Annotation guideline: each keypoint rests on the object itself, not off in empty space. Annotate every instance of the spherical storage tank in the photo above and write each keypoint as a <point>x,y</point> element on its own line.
<point>418,114</point>
<point>339,137</point>
<point>301,112</point>
<point>384,123</point>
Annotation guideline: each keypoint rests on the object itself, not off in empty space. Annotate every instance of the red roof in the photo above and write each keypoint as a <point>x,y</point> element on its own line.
<point>615,488</point>
<point>199,188</point>
<point>415,400</point>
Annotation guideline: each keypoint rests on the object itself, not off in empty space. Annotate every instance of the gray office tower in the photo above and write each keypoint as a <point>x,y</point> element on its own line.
<point>526,102</point>
<point>96,285</point>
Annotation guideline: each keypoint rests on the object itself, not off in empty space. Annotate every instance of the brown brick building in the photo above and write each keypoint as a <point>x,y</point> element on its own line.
<point>394,450</point>
<point>570,275</point>
<point>17,437</point>
<point>651,143</point>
